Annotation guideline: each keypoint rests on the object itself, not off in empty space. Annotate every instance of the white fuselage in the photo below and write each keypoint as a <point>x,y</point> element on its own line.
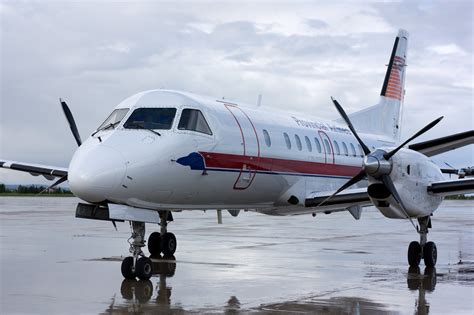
<point>255,158</point>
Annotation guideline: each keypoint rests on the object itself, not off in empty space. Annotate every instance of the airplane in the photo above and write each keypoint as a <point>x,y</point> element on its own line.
<point>165,151</point>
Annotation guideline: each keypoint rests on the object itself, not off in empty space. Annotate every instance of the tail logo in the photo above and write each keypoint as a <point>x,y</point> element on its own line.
<point>395,81</point>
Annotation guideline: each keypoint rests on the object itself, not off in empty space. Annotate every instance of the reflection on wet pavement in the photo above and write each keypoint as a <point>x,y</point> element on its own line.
<point>251,264</point>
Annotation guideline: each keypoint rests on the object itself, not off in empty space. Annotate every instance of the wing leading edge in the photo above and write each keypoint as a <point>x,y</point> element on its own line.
<point>444,144</point>
<point>49,172</point>
<point>452,187</point>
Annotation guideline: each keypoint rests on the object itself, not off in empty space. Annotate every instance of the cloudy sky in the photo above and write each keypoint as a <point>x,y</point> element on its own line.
<point>296,54</point>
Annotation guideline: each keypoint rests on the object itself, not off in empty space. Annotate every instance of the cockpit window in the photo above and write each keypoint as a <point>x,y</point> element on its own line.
<point>192,119</point>
<point>151,118</point>
<point>114,119</point>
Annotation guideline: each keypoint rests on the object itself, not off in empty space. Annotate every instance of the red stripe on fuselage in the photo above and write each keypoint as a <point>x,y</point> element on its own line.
<point>236,162</point>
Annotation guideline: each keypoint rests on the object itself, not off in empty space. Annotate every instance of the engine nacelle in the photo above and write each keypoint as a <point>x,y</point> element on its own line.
<point>411,174</point>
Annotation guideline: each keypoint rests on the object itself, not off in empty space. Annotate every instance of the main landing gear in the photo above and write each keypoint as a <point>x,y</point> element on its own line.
<point>163,242</point>
<point>423,249</point>
<point>139,266</point>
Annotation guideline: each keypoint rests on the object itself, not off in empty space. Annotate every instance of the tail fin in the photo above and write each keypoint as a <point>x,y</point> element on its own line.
<point>384,118</point>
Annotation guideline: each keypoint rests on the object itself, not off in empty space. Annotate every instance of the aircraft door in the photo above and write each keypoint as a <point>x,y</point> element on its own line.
<point>250,147</point>
<point>327,147</point>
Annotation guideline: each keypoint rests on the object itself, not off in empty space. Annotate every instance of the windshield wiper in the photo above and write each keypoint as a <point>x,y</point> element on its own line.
<point>105,127</point>
<point>140,126</point>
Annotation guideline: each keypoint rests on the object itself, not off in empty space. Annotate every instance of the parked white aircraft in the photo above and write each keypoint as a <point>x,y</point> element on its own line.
<point>162,151</point>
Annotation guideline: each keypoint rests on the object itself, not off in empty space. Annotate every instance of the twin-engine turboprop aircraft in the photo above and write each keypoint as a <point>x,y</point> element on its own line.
<point>163,151</point>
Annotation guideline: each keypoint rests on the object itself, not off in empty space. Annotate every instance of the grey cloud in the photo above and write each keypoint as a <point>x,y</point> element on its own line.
<point>316,23</point>
<point>96,54</point>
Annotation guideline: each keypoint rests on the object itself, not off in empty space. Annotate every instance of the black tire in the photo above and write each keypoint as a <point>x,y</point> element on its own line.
<point>168,244</point>
<point>154,244</point>
<point>430,254</point>
<point>144,268</point>
<point>414,254</point>
<point>127,268</point>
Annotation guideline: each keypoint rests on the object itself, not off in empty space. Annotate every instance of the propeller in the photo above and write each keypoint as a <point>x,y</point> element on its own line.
<point>59,181</point>
<point>461,172</point>
<point>72,123</point>
<point>377,164</point>
<point>75,133</point>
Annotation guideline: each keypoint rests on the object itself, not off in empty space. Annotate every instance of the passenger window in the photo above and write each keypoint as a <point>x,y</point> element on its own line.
<point>361,153</point>
<point>151,118</point>
<point>308,144</point>
<point>327,146</point>
<point>298,142</point>
<point>114,119</point>
<point>336,148</point>
<point>344,148</point>
<point>287,140</point>
<point>408,169</point>
<point>353,150</point>
<point>193,119</point>
<point>318,145</point>
<point>268,141</point>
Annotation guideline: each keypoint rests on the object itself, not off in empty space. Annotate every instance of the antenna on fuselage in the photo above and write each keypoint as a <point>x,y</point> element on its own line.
<point>259,100</point>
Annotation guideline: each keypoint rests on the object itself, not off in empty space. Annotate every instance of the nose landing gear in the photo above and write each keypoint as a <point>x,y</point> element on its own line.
<point>423,249</point>
<point>137,265</point>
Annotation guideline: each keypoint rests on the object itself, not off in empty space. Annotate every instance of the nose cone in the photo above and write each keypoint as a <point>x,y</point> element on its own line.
<point>95,172</point>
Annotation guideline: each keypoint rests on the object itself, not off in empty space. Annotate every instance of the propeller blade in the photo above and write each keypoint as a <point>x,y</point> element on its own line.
<point>388,155</point>
<point>59,181</point>
<point>391,187</point>
<point>72,123</point>
<point>357,178</point>
<point>115,225</point>
<point>349,124</point>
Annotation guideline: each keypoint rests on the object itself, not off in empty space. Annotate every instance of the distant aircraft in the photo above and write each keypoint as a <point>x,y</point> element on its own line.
<point>163,151</point>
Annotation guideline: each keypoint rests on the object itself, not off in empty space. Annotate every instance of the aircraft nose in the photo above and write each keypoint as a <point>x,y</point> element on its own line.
<point>95,172</point>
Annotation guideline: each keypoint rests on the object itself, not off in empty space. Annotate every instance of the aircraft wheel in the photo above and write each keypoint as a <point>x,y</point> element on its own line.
<point>154,243</point>
<point>127,268</point>
<point>414,254</point>
<point>144,268</point>
<point>168,244</point>
<point>430,254</point>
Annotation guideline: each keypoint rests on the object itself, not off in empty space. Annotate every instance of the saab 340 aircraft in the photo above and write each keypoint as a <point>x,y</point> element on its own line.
<point>163,151</point>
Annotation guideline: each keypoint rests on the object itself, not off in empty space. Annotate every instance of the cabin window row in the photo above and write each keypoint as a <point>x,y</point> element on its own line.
<point>346,150</point>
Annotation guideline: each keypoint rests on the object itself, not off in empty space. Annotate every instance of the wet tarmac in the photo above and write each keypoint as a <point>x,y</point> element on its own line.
<point>53,263</point>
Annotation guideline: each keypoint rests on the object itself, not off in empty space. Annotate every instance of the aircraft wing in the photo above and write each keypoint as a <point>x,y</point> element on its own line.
<point>49,172</point>
<point>347,198</point>
<point>444,144</point>
<point>351,200</point>
<point>452,187</point>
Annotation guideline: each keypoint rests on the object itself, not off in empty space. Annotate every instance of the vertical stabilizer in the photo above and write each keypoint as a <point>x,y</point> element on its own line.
<point>384,118</point>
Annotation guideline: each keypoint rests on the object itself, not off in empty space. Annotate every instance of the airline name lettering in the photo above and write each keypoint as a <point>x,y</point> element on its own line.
<point>320,126</point>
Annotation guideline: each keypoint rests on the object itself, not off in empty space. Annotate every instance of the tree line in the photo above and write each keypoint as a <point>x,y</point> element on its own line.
<point>33,189</point>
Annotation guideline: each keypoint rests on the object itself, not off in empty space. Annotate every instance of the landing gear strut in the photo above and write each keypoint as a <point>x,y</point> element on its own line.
<point>163,242</point>
<point>423,249</point>
<point>137,265</point>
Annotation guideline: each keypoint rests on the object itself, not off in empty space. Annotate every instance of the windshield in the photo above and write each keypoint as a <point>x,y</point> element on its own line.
<point>114,118</point>
<point>151,118</point>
